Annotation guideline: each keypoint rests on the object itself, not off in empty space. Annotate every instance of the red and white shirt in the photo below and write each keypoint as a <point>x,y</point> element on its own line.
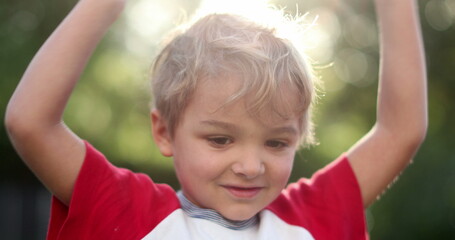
<point>115,203</point>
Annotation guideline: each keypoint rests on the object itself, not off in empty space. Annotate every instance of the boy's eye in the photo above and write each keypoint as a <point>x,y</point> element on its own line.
<point>276,144</point>
<point>219,141</point>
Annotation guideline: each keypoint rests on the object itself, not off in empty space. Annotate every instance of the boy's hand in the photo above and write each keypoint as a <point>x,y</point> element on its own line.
<point>402,101</point>
<point>34,113</point>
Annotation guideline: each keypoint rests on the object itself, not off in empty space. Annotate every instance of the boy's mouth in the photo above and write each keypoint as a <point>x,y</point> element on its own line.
<point>243,192</point>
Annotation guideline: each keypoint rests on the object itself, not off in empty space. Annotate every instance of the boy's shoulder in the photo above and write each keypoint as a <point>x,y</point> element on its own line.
<point>116,200</point>
<point>328,205</point>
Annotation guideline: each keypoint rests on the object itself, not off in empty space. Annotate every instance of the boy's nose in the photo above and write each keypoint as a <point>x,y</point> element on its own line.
<point>249,166</point>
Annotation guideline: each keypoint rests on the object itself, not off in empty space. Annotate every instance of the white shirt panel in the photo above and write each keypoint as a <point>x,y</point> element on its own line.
<point>180,226</point>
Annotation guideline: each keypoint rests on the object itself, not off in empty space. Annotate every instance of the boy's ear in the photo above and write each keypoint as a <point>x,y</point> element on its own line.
<point>161,133</point>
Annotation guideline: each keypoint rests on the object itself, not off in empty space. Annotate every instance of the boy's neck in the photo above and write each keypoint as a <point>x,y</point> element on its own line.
<point>194,211</point>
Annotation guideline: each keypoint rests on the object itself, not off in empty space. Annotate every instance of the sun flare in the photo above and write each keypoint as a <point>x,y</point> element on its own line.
<point>311,30</point>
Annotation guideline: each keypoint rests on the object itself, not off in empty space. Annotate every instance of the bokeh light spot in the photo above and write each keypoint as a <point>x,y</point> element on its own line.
<point>351,65</point>
<point>438,14</point>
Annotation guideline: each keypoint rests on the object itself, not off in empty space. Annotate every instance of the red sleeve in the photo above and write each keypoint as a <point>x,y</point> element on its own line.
<point>329,205</point>
<point>110,203</point>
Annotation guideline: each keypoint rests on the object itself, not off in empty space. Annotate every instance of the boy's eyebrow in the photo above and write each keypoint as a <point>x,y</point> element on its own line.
<point>228,126</point>
<point>220,124</point>
<point>286,129</point>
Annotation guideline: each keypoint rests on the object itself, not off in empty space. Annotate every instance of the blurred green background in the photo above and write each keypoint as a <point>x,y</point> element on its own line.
<point>111,104</point>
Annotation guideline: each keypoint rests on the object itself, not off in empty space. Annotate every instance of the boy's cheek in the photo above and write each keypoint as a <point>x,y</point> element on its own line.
<point>281,171</point>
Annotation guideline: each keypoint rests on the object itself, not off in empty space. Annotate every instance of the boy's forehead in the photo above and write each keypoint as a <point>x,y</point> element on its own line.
<point>218,96</point>
<point>217,91</point>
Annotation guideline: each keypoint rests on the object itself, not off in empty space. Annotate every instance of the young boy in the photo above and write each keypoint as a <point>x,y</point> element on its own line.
<point>232,105</point>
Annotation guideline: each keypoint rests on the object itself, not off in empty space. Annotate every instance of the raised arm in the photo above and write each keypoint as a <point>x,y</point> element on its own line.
<point>401,122</point>
<point>34,114</point>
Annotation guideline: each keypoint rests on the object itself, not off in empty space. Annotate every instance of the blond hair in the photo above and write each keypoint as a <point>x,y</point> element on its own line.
<point>224,45</point>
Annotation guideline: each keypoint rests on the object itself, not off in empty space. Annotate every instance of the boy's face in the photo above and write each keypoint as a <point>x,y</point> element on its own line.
<point>226,159</point>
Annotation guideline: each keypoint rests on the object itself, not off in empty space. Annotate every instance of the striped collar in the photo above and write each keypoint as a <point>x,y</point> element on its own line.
<point>209,214</point>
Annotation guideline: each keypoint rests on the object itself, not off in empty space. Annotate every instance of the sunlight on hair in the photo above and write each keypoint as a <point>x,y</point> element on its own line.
<point>313,31</point>
<point>296,27</point>
<point>261,11</point>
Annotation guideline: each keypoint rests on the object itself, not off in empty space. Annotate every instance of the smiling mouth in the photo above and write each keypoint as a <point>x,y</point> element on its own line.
<point>243,192</point>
